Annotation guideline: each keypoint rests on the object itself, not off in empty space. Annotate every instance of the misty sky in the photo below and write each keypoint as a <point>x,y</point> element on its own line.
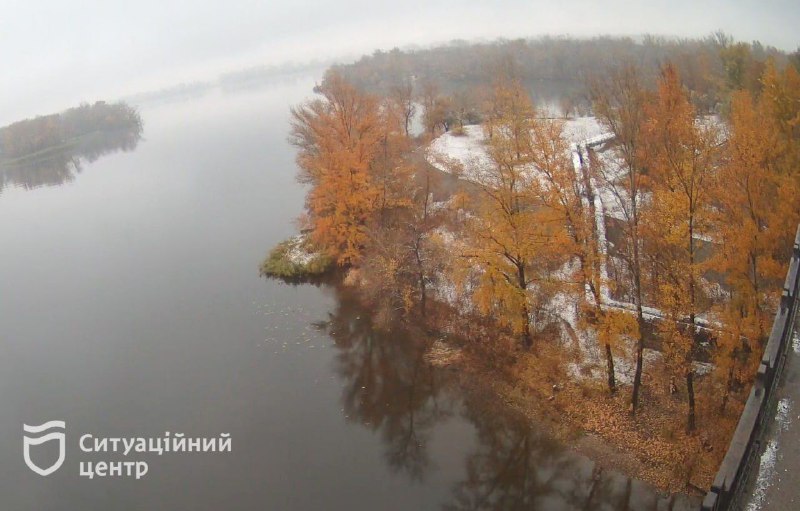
<point>56,53</point>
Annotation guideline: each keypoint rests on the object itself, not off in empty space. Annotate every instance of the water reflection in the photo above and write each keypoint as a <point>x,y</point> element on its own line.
<point>390,388</point>
<point>59,167</point>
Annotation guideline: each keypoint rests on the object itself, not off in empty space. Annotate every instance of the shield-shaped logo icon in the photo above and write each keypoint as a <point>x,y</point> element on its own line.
<point>53,430</point>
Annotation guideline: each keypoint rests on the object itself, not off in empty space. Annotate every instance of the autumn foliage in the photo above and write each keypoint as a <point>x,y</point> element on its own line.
<point>704,207</point>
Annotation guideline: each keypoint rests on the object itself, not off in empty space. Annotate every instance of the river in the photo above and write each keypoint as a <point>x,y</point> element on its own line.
<point>131,306</point>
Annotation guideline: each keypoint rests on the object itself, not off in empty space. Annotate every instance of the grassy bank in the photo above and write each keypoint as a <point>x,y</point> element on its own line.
<point>295,259</point>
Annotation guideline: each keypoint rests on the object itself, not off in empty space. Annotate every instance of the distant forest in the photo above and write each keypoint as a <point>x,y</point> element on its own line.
<point>49,132</point>
<point>560,70</point>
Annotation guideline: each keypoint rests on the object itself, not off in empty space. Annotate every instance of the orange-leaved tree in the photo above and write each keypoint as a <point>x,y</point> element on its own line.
<point>338,137</point>
<point>781,101</point>
<point>509,236</point>
<point>559,187</point>
<point>681,153</point>
<point>747,210</point>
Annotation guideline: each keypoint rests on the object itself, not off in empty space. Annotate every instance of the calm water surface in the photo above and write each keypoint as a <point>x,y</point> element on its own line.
<point>131,305</point>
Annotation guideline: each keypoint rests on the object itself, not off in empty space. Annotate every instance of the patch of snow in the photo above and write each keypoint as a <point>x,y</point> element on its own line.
<point>467,157</point>
<point>446,236</point>
<point>463,155</point>
<point>766,471</point>
<point>298,254</point>
<point>702,368</point>
<point>766,465</point>
<point>625,368</point>
<point>610,172</point>
<point>580,130</point>
<point>437,206</point>
<point>782,418</point>
<point>444,289</point>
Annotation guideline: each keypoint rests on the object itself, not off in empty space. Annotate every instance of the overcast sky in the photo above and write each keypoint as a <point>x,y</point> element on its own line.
<point>56,53</point>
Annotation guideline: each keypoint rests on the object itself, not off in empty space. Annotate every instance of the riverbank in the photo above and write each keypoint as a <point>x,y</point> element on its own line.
<point>295,260</point>
<point>582,414</point>
<point>652,447</point>
<point>561,382</point>
<point>560,385</point>
<point>499,260</point>
<point>563,394</point>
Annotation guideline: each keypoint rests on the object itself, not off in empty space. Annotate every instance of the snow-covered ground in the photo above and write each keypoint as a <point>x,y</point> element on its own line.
<point>769,458</point>
<point>467,157</point>
<point>608,185</point>
<point>582,130</point>
<point>298,253</point>
<point>463,155</point>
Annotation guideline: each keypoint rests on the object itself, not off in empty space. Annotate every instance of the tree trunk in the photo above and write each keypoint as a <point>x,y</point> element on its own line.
<point>692,285</point>
<point>595,283</point>
<point>728,385</point>
<point>637,377</point>
<point>692,318</point>
<point>420,274</point>
<point>422,294</point>
<point>522,282</point>
<point>593,278</point>
<point>527,340</point>
<point>612,383</point>
<point>637,285</point>
<point>418,243</point>
<point>690,388</point>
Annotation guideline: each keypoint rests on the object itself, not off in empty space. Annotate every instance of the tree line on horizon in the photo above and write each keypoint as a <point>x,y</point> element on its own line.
<point>560,70</point>
<point>29,136</point>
